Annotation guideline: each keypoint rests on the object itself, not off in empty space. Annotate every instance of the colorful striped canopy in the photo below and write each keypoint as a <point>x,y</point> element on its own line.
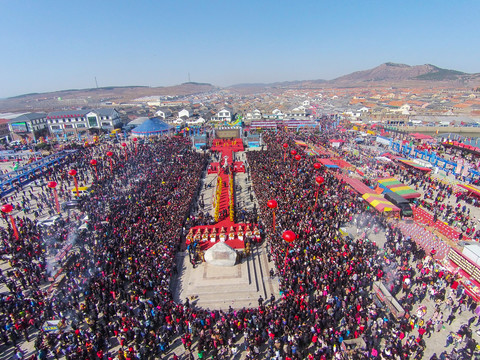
<point>379,203</point>
<point>389,181</point>
<point>399,188</point>
<point>300,143</point>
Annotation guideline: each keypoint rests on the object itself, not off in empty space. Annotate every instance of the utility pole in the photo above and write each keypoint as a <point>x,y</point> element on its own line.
<point>96,83</point>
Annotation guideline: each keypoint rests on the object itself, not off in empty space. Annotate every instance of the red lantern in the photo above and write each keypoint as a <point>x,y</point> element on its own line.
<point>72,172</point>
<point>317,166</point>
<point>285,145</point>
<point>293,152</point>
<point>52,184</point>
<point>319,180</point>
<point>272,204</point>
<point>7,208</point>
<point>124,144</point>
<point>135,139</point>
<point>298,157</point>
<point>109,154</point>
<point>289,236</point>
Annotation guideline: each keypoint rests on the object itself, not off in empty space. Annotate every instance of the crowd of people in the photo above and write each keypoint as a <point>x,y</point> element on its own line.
<point>114,297</point>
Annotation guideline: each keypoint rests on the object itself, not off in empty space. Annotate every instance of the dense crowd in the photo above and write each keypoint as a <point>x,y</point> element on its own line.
<point>115,284</point>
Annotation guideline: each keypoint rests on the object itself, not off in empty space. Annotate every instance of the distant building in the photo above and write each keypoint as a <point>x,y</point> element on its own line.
<point>183,113</point>
<point>28,126</point>
<point>163,113</point>
<point>78,122</point>
<point>296,114</point>
<point>223,115</point>
<point>4,130</point>
<point>253,116</point>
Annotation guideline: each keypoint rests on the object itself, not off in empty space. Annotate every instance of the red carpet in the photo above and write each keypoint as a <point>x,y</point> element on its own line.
<point>232,233</point>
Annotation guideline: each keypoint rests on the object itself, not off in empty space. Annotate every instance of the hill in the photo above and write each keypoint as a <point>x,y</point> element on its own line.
<point>392,72</point>
<point>96,97</point>
<point>385,75</point>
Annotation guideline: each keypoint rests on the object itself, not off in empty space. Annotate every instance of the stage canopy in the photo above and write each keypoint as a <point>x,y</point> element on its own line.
<point>327,163</point>
<point>414,165</point>
<point>419,136</point>
<point>379,203</point>
<point>471,189</point>
<point>153,126</point>
<point>357,185</point>
<point>342,163</point>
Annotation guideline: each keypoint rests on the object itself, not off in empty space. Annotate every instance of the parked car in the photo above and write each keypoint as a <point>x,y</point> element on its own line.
<point>55,220</point>
<point>71,204</point>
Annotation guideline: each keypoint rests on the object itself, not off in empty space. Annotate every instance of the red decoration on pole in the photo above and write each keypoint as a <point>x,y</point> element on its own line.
<point>289,236</point>
<point>125,147</point>
<point>319,180</point>
<point>135,142</point>
<point>293,153</point>
<point>93,162</point>
<point>317,166</point>
<point>8,208</point>
<point>298,158</point>
<point>272,204</point>
<point>285,146</point>
<point>73,173</point>
<point>110,154</point>
<point>52,185</point>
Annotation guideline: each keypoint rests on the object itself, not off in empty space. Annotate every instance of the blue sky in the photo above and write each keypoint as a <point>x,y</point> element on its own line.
<point>54,45</point>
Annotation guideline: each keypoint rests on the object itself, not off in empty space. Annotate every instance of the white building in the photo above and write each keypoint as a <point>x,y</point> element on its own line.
<point>298,113</point>
<point>223,115</point>
<point>183,113</point>
<point>80,121</point>
<point>255,115</point>
<point>163,113</point>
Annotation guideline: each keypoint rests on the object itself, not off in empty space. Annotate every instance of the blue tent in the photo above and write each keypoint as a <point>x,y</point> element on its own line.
<point>153,126</point>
